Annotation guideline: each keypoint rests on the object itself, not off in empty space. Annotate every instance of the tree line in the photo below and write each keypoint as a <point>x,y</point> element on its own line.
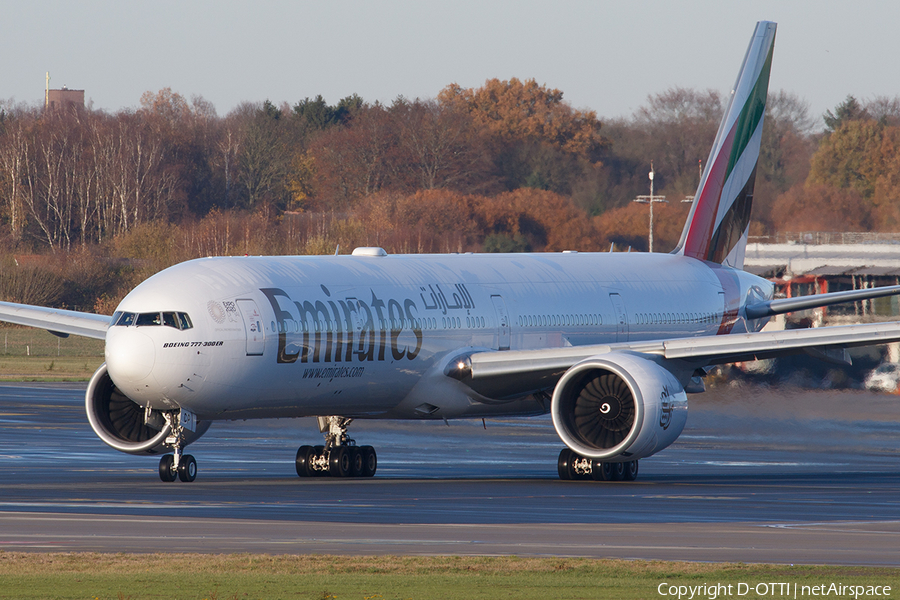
<point>509,166</point>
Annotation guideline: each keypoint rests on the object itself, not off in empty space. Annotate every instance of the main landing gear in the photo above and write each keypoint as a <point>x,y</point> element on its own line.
<point>339,457</point>
<point>575,466</point>
<point>177,465</point>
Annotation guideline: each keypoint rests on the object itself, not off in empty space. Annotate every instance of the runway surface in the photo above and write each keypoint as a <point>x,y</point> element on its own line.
<point>759,475</point>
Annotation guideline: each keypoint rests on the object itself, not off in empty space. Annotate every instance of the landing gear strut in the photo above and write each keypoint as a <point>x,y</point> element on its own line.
<point>339,457</point>
<point>574,466</point>
<point>177,465</point>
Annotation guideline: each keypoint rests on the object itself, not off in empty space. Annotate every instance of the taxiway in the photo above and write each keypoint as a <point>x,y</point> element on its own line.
<point>760,475</point>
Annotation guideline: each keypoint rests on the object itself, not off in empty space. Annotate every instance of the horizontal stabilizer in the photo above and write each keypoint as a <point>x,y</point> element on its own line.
<point>786,305</point>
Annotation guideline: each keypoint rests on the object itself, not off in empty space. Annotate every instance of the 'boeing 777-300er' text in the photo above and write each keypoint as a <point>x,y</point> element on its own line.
<point>609,343</point>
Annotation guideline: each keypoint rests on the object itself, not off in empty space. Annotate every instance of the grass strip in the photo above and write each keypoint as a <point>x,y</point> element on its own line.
<point>82,576</point>
<point>28,354</point>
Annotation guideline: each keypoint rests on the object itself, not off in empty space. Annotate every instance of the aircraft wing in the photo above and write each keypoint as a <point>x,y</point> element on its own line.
<point>508,373</point>
<point>56,320</point>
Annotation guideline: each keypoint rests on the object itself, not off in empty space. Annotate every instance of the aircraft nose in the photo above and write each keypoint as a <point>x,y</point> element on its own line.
<point>130,356</point>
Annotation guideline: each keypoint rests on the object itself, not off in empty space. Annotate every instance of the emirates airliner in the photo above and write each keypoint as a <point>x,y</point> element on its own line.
<point>610,344</point>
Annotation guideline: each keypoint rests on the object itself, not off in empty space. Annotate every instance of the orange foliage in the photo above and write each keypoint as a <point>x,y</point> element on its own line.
<point>525,111</point>
<point>427,221</point>
<point>448,221</point>
<point>630,225</point>
<point>886,199</point>
<point>821,208</point>
<point>550,222</point>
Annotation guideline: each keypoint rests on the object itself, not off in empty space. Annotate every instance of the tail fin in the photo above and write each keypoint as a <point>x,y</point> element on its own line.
<point>717,227</point>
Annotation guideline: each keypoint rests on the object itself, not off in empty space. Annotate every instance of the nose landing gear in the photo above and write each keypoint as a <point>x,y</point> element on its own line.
<point>177,465</point>
<point>339,457</point>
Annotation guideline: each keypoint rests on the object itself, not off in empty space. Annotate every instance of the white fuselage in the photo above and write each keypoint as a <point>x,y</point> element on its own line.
<point>354,335</point>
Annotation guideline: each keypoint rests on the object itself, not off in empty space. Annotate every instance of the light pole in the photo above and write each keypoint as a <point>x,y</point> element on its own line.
<point>650,200</point>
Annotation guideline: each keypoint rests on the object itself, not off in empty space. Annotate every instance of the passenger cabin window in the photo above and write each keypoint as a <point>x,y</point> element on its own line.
<point>176,320</point>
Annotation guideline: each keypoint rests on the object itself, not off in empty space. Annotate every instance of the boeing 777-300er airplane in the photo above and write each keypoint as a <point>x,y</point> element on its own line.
<point>609,343</point>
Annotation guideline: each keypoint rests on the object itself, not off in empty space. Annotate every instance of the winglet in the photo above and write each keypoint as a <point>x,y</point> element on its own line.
<point>717,227</point>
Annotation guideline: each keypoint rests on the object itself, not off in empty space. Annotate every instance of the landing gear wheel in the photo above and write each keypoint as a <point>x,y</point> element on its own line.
<point>339,465</point>
<point>369,461</point>
<point>340,456</point>
<point>565,465</point>
<point>187,468</point>
<point>317,452</point>
<point>599,470</point>
<point>304,456</point>
<point>603,471</point>
<point>356,461</point>
<point>631,470</point>
<point>167,471</point>
<point>618,471</point>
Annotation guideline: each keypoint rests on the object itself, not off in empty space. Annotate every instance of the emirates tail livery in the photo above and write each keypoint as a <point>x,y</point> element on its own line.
<point>609,344</point>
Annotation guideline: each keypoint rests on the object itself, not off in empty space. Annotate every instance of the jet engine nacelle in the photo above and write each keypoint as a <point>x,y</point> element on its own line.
<point>618,407</point>
<point>123,424</point>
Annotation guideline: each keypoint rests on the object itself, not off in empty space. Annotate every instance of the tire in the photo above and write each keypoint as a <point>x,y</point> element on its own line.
<point>565,465</point>
<point>187,468</point>
<point>618,471</point>
<point>339,464</point>
<point>369,461</point>
<point>318,451</point>
<point>304,456</point>
<point>603,472</point>
<point>167,471</point>
<point>631,470</point>
<point>356,461</point>
<point>597,472</point>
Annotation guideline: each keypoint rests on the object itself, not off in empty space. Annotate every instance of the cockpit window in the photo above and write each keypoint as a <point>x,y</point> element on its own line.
<point>123,319</point>
<point>144,319</point>
<point>184,321</point>
<point>176,320</point>
<point>169,320</point>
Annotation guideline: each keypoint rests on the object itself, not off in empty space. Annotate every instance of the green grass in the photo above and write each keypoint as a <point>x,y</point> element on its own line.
<point>25,576</point>
<point>28,354</point>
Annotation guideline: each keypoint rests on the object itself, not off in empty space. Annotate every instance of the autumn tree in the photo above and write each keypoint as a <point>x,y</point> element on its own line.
<point>675,130</point>
<point>629,226</point>
<point>820,207</point>
<point>787,145</point>
<point>264,158</point>
<point>440,144</point>
<point>544,220</point>
<point>309,118</point>
<point>516,111</point>
<point>356,161</point>
<point>850,157</point>
<point>538,140</point>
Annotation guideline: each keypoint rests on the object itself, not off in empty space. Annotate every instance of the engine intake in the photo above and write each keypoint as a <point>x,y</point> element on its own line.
<point>619,406</point>
<point>122,424</point>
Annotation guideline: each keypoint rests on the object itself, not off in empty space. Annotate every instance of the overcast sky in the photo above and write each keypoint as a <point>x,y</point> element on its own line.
<point>606,56</point>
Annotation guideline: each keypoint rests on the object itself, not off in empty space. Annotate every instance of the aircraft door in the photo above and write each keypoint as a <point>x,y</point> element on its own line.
<point>502,322</point>
<point>621,318</point>
<point>253,327</point>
